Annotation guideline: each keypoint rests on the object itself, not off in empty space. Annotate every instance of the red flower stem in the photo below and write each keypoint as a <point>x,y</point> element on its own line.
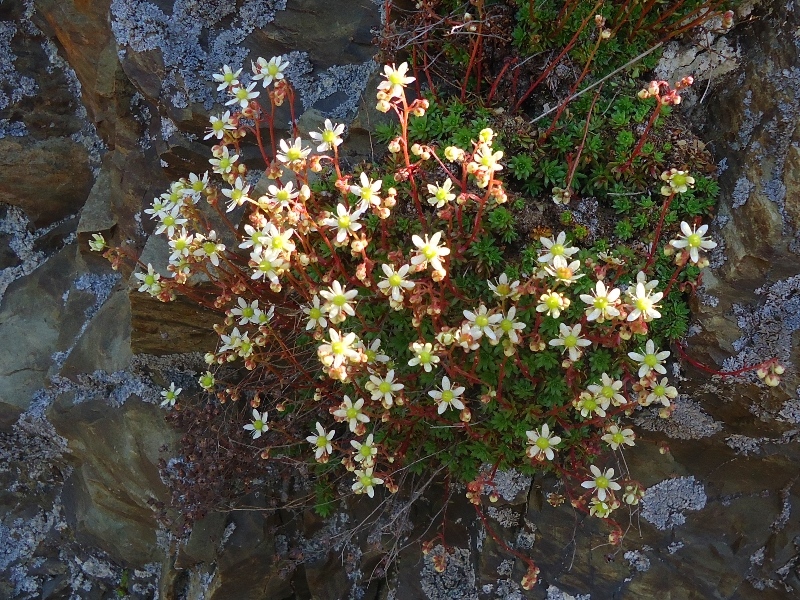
<point>711,371</point>
<point>654,247</point>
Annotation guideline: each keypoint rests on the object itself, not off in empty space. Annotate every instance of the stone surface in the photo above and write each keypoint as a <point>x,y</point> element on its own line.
<point>103,103</point>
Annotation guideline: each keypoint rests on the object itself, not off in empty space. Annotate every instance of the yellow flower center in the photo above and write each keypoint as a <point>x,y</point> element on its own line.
<point>571,341</point>
<point>694,240</point>
<point>429,252</point>
<point>322,441</point>
<point>385,387</point>
<point>602,482</point>
<point>543,443</point>
<point>447,396</point>
<point>481,321</point>
<point>650,360</point>
<point>337,348</point>
<point>352,413</point>
<point>395,280</point>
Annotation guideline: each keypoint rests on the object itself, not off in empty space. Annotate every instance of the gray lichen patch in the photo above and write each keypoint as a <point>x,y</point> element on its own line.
<point>13,85</point>
<point>768,327</point>
<point>688,421</point>
<point>554,593</point>
<point>509,484</point>
<point>456,582</point>
<point>637,560</point>
<point>663,504</point>
<point>195,40</point>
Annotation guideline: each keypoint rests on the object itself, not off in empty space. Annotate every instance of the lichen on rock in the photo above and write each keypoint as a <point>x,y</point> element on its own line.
<point>663,504</point>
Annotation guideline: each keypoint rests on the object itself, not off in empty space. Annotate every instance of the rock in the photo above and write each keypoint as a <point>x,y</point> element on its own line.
<point>34,315</point>
<point>58,166</point>
<point>115,451</point>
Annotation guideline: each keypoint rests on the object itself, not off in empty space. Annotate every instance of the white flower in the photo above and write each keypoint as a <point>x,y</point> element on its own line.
<point>206,380</point>
<point>503,289</point>
<point>232,341</point>
<point>423,356</point>
<point>329,138</point>
<point>571,340</point>
<point>384,388</point>
<point>150,281</point>
<point>338,302</point>
<point>258,425</point>
<point>197,185</point>
<point>368,192</point>
<point>97,243</point>
<point>617,437</point>
<point>482,323</point>
<point>345,222</point>
<point>209,248</point>
<point>269,71</point>
<point>340,348</point>
<point>365,452</point>
<point>280,197</point>
<point>693,240</point>
<point>396,80</point>
<point>245,347</point>
<point>644,303</point>
<point>447,396</point>
<point>247,313</point>
<point>602,303</point>
<point>429,251</point>
<point>292,153</point>
<point>395,282</point>
<point>373,352</point>
<point>159,208</point>
<point>556,247</point>
<point>608,390</point>
<point>441,194</point>
<point>321,441</point>
<point>316,318</point>
<point>170,220</point>
<point>552,303</point>
<point>242,95</point>
<point>170,395</point>
<point>226,78</point>
<point>275,239</point>
<point>237,194</point>
<point>224,163</point>
<point>267,264</point>
<point>351,412</point>
<point>365,482</point>
<point>486,158</point>
<point>589,405</point>
<point>661,393</point>
<point>219,125</point>
<point>650,360</point>
<point>601,482</point>
<point>255,238</point>
<point>542,442</point>
<point>509,326</point>
<point>563,271</point>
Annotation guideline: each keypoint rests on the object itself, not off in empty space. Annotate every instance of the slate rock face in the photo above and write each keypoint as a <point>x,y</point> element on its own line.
<point>103,103</point>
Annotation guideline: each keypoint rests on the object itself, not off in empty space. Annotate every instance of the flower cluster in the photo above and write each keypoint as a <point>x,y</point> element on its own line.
<point>357,298</point>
